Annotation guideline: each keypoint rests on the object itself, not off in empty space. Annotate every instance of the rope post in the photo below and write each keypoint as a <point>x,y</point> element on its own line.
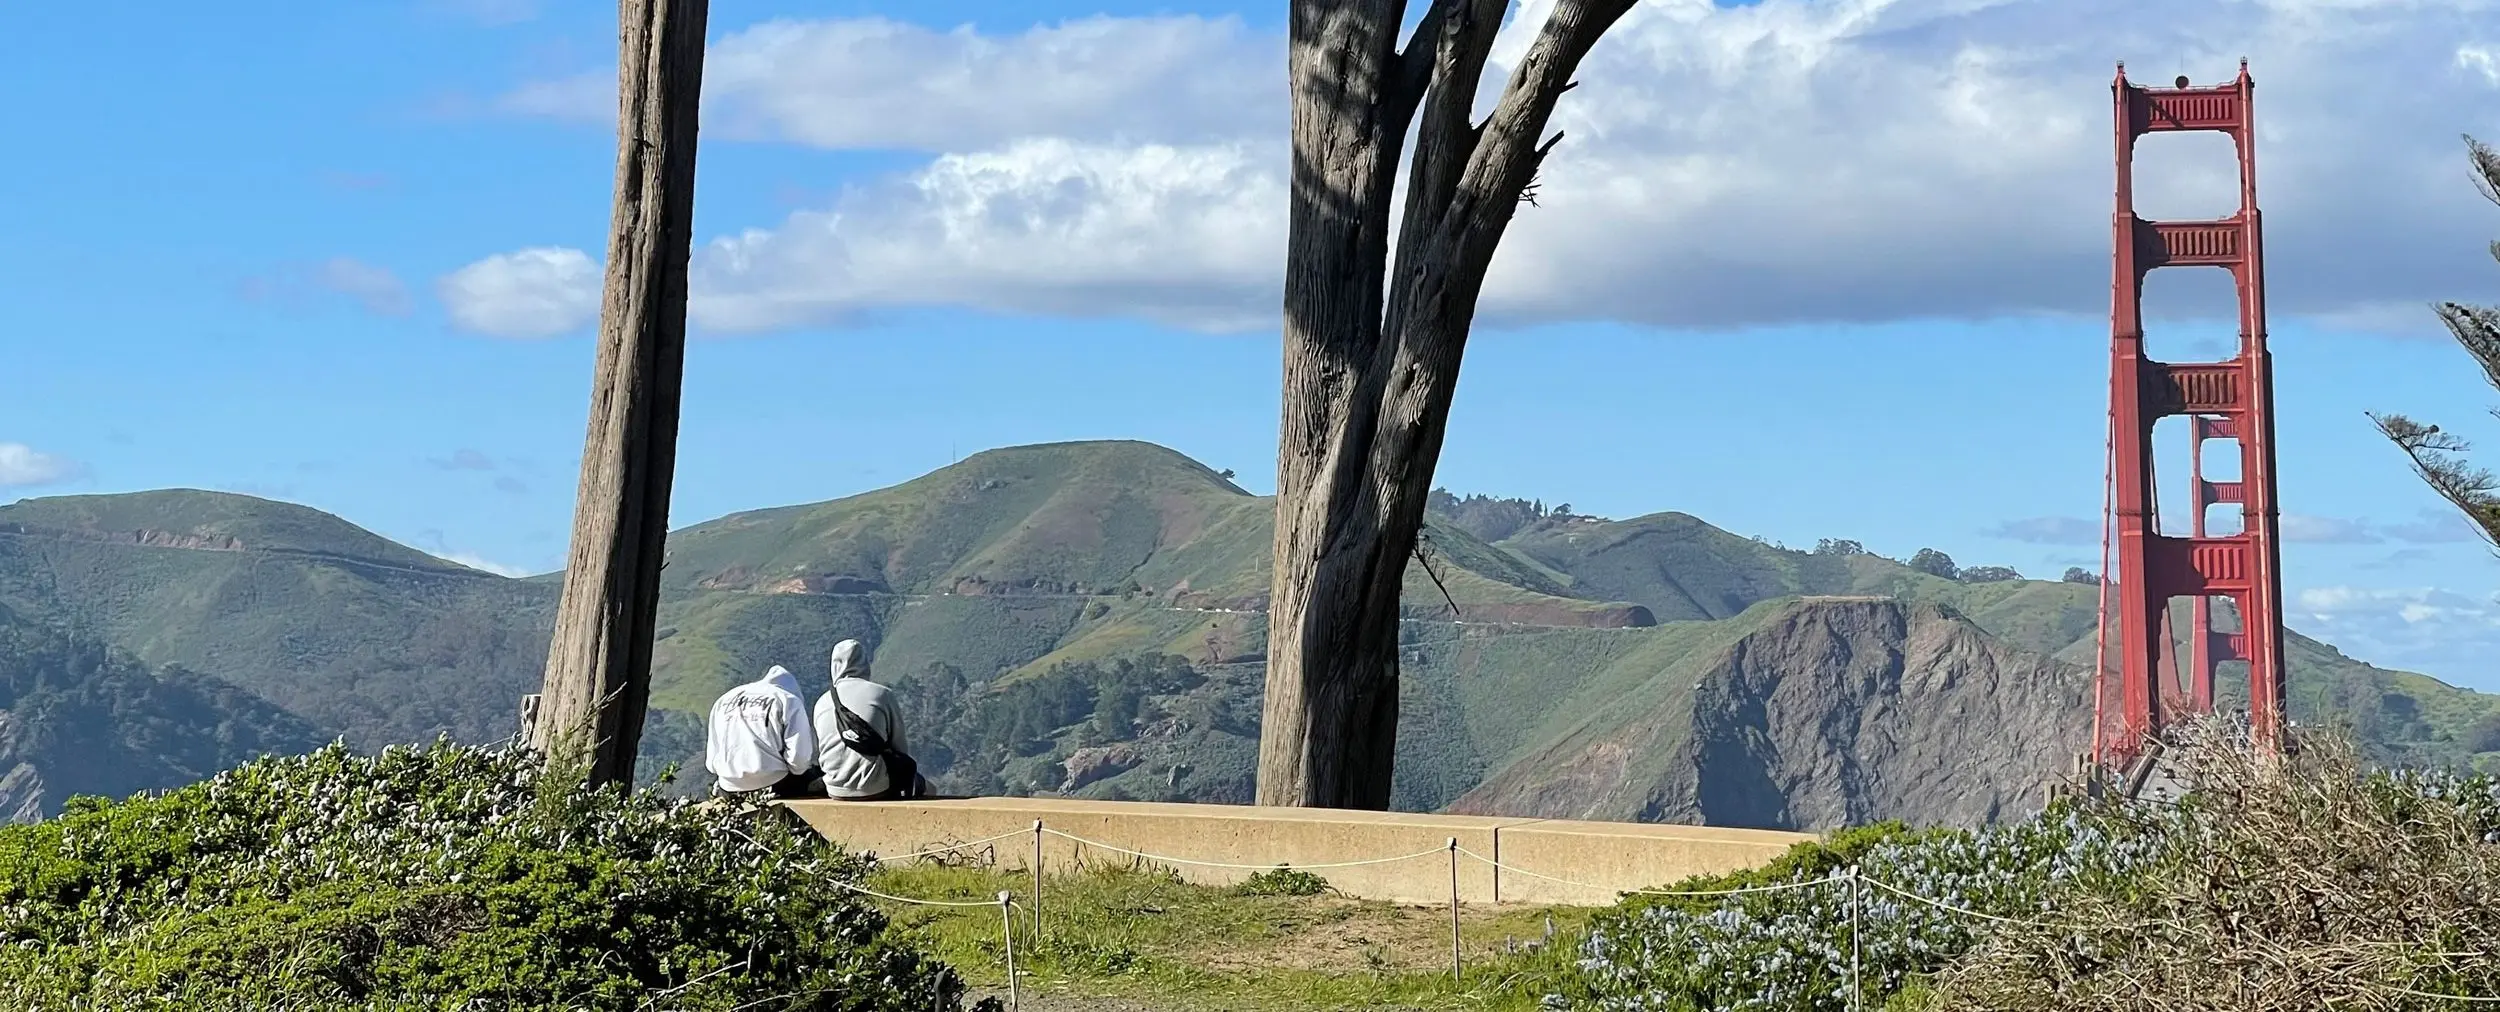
<point>1007,915</point>
<point>1037,880</point>
<point>1857,991</point>
<point>1455,965</point>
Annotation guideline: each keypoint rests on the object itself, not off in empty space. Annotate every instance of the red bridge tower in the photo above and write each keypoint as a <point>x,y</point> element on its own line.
<point>2231,399</point>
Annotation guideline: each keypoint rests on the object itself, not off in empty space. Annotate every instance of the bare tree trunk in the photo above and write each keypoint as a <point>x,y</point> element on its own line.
<point>1372,349</point>
<point>598,679</point>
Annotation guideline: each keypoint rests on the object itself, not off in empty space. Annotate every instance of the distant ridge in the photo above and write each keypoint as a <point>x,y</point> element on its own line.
<point>1087,619</point>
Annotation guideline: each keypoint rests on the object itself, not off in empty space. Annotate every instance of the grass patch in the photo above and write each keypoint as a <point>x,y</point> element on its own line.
<point>1126,933</point>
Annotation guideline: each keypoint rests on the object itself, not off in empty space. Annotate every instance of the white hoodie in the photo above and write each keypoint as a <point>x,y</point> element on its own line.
<point>759,733</point>
<point>849,774</point>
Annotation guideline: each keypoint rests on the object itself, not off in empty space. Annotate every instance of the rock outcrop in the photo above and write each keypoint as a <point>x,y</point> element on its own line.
<point>1833,713</point>
<point>21,786</point>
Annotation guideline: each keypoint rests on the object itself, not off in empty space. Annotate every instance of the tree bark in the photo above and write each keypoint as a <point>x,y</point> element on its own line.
<point>598,676</point>
<point>1372,348</point>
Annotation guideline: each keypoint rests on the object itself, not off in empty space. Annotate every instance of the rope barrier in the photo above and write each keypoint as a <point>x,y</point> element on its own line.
<point>1964,911</point>
<point>949,848</point>
<point>1779,887</point>
<point>865,891</point>
<point>1168,859</point>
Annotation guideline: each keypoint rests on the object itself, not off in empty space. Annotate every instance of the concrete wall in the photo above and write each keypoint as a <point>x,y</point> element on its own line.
<point>1548,861</point>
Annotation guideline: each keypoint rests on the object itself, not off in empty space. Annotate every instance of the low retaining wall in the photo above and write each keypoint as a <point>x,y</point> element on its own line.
<point>1393,856</point>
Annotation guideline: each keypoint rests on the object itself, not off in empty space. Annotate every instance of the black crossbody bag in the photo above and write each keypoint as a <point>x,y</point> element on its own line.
<point>902,772</point>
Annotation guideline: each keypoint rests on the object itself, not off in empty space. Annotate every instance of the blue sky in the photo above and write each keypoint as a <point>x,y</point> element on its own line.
<point>1805,269</point>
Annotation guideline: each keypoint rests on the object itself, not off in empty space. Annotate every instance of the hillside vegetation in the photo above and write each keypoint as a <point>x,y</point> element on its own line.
<point>79,718</point>
<point>1085,618</point>
<point>440,878</point>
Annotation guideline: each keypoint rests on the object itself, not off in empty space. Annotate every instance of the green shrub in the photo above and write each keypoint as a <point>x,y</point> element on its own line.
<point>1282,882</point>
<point>440,877</point>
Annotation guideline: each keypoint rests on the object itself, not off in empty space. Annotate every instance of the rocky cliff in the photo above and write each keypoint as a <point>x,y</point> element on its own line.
<point>1832,713</point>
<point>21,785</point>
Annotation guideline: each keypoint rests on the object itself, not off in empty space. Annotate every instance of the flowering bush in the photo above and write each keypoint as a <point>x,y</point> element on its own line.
<point>2301,885</point>
<point>1791,950</point>
<point>440,877</point>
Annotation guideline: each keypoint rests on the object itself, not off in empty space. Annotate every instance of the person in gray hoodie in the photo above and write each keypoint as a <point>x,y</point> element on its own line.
<point>860,745</point>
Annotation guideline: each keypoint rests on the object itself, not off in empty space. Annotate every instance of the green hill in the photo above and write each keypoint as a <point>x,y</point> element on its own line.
<point>77,718</point>
<point>1033,603</point>
<point>360,636</point>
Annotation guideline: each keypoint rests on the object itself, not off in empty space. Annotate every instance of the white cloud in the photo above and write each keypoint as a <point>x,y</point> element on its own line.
<point>296,286</point>
<point>483,565</point>
<point>1787,161</point>
<point>2048,531</point>
<point>2301,527</point>
<point>2435,527</point>
<point>2442,633</point>
<point>880,84</point>
<point>2484,60</point>
<point>537,292</point>
<point>379,290</point>
<point>1182,234</point>
<point>23,466</point>
<point>465,459</point>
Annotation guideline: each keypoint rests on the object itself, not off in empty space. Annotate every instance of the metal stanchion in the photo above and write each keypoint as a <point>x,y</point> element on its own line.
<point>1007,915</point>
<point>1455,966</point>
<point>1037,879</point>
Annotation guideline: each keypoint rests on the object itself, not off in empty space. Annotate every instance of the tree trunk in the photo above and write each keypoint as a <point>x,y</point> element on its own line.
<point>598,677</point>
<point>1372,349</point>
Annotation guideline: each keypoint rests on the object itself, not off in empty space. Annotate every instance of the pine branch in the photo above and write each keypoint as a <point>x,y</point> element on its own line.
<point>2437,457</point>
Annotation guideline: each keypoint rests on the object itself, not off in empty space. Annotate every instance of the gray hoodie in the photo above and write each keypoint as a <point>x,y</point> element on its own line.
<point>849,774</point>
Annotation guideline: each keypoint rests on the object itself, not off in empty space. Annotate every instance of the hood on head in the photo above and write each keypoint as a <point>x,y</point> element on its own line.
<point>850,660</point>
<point>781,678</point>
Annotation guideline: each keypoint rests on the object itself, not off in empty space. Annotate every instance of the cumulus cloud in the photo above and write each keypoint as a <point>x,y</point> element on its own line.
<point>2435,527</point>
<point>465,459</point>
<point>2301,527</point>
<point>1181,234</point>
<point>483,565</point>
<point>376,288</point>
<point>531,293</point>
<point>23,466</point>
<point>2437,632</point>
<point>1780,162</point>
<point>2048,531</point>
<point>872,83</point>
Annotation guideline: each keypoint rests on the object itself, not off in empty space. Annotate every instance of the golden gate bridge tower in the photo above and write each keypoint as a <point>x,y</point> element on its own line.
<point>2230,400</point>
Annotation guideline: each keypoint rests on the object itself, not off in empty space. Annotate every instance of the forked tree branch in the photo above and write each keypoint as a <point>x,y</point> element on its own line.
<point>2486,169</point>
<point>2437,457</point>
<point>1445,139</point>
<point>2477,330</point>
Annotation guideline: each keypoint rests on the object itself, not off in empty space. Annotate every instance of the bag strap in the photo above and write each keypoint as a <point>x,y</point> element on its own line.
<point>857,733</point>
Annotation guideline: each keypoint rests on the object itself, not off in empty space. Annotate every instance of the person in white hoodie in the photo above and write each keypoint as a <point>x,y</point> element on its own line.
<point>760,739</point>
<point>862,753</point>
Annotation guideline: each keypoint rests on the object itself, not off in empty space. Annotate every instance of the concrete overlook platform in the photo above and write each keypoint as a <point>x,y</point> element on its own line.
<point>1403,857</point>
